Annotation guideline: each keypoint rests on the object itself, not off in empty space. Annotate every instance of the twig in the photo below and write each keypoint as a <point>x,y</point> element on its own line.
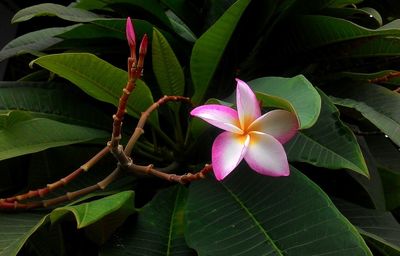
<point>385,78</point>
<point>143,119</point>
<point>41,192</point>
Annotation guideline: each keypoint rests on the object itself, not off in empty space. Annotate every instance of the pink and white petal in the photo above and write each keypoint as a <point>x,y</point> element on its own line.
<point>266,155</point>
<point>220,116</point>
<point>247,105</point>
<point>227,152</point>
<point>279,123</point>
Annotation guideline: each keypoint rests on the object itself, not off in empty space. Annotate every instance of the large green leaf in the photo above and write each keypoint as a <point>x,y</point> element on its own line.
<point>100,217</point>
<point>329,143</point>
<point>111,27</point>
<point>249,214</point>
<point>33,41</point>
<point>158,230</point>
<point>378,104</point>
<point>49,9</point>
<point>53,101</point>
<point>166,66</point>
<point>379,226</point>
<point>312,31</point>
<point>208,49</point>
<point>296,93</point>
<point>15,229</point>
<point>21,134</point>
<point>99,79</point>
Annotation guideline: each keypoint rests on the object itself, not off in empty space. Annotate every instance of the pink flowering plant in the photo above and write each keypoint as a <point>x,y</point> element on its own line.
<point>201,128</point>
<point>248,134</point>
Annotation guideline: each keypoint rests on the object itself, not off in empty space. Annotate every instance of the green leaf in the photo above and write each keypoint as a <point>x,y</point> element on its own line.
<point>166,66</point>
<point>250,214</point>
<point>180,27</point>
<point>379,105</point>
<point>49,9</point>
<point>99,79</point>
<point>52,101</point>
<point>385,153</point>
<point>208,49</point>
<point>101,217</point>
<point>151,6</point>
<point>329,143</point>
<point>307,6</point>
<point>376,225</point>
<point>107,28</point>
<point>311,31</point>
<point>22,134</point>
<point>158,230</point>
<point>296,94</point>
<point>33,41</point>
<point>87,214</point>
<point>15,230</point>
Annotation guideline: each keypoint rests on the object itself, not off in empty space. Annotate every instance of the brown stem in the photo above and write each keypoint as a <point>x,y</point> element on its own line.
<point>385,78</point>
<point>183,179</point>
<point>41,192</point>
<point>16,205</point>
<point>145,115</point>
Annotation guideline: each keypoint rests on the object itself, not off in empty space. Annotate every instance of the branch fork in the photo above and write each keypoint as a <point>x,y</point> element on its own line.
<point>121,154</point>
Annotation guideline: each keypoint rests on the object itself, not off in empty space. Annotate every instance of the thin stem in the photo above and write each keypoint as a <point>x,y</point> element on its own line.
<point>16,205</point>
<point>183,179</point>
<point>143,119</point>
<point>41,192</point>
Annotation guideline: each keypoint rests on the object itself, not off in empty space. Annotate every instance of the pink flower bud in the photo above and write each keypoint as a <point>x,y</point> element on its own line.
<point>143,45</point>
<point>130,34</point>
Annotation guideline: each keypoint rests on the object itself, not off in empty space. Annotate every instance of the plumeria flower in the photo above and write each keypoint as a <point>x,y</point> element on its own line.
<point>248,134</point>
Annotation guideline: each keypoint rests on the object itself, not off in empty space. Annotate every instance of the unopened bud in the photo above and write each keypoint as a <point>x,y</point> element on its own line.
<point>143,45</point>
<point>130,34</point>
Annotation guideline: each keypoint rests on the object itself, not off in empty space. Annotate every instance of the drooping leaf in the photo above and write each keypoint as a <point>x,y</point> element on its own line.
<point>367,17</point>
<point>50,9</point>
<point>208,49</point>
<point>329,143</point>
<point>34,41</point>
<point>379,105</point>
<point>100,217</point>
<point>296,93</point>
<point>250,214</point>
<point>21,134</point>
<point>99,79</point>
<point>166,66</point>
<point>15,229</point>
<point>379,226</point>
<point>158,230</point>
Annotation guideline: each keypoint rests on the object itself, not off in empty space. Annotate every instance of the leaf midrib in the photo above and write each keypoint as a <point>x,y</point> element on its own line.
<point>253,218</point>
<point>171,223</point>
